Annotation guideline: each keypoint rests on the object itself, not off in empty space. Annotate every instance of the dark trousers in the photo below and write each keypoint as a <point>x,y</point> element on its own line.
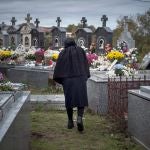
<point>80,112</point>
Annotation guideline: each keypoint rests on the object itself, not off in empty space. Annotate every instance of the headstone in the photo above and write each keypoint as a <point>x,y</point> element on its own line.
<point>84,35</point>
<point>146,62</point>
<point>126,36</point>
<point>4,38</point>
<point>31,34</point>
<point>14,34</point>
<point>58,35</point>
<point>103,36</point>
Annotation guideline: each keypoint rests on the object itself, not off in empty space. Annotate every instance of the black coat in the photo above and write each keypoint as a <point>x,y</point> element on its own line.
<point>72,71</point>
<point>72,62</point>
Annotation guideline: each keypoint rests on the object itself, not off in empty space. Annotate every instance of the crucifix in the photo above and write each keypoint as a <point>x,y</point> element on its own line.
<point>37,22</point>
<point>104,19</point>
<point>83,22</point>
<point>13,21</point>
<point>28,18</point>
<point>3,25</point>
<point>58,21</point>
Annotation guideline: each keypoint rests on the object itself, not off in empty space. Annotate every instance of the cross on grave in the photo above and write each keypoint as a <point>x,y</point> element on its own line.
<point>3,25</point>
<point>104,19</point>
<point>83,22</point>
<point>28,18</point>
<point>125,23</point>
<point>13,20</point>
<point>37,22</point>
<point>58,21</point>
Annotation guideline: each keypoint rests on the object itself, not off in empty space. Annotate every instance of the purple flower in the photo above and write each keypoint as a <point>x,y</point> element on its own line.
<point>91,57</point>
<point>1,77</point>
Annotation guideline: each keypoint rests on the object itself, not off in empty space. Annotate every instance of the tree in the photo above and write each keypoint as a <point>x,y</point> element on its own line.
<point>72,28</point>
<point>139,27</point>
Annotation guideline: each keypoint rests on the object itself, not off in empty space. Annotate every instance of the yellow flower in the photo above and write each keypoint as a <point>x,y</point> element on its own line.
<point>55,56</point>
<point>115,55</point>
<point>5,53</point>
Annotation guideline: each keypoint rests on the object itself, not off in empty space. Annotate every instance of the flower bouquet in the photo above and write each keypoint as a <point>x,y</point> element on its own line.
<point>114,54</point>
<point>5,55</point>
<point>39,56</point>
<point>91,58</point>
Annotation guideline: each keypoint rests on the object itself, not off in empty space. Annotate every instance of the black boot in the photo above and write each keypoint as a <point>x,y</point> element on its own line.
<point>80,124</point>
<point>70,124</point>
<point>70,118</point>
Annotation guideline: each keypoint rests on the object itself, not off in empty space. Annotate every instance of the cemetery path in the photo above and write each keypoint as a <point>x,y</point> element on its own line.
<point>49,132</point>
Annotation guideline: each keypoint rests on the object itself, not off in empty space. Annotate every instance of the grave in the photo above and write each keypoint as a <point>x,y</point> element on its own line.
<point>83,35</point>
<point>103,36</point>
<point>97,89</point>
<point>14,119</point>
<point>14,34</point>
<point>5,67</point>
<point>126,40</point>
<point>139,115</point>
<point>31,34</point>
<point>37,76</point>
<point>58,35</point>
<point>4,38</point>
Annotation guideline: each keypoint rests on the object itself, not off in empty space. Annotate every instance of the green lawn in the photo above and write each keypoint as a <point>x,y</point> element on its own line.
<point>49,132</point>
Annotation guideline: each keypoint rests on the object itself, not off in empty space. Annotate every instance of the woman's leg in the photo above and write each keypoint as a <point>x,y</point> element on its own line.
<point>80,111</point>
<point>70,118</point>
<point>79,118</point>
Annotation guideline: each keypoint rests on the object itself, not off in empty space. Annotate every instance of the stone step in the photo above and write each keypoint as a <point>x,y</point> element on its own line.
<point>56,102</point>
<point>145,89</point>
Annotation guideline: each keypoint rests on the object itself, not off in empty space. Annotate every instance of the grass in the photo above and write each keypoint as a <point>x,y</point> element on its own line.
<point>49,132</point>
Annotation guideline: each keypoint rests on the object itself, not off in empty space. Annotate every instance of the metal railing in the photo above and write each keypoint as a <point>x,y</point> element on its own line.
<point>118,94</point>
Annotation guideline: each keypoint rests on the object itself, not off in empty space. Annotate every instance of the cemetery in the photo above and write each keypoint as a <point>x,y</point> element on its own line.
<point>119,87</point>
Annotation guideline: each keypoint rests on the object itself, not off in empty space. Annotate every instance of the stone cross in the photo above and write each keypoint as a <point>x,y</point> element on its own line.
<point>83,22</point>
<point>125,23</point>
<point>104,19</point>
<point>3,25</point>
<point>37,22</point>
<point>13,20</point>
<point>58,21</point>
<point>28,18</point>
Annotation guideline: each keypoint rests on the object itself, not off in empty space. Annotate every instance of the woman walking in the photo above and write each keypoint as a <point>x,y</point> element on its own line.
<point>72,71</point>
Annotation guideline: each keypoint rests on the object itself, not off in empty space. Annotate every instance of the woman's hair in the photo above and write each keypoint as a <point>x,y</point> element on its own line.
<point>69,42</point>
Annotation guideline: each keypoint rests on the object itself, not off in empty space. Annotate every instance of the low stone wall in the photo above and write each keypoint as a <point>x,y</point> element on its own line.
<point>14,121</point>
<point>98,94</point>
<point>139,115</point>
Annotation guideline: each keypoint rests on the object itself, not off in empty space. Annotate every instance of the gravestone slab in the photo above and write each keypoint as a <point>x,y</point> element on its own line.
<point>15,123</point>
<point>139,115</point>
<point>34,77</point>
